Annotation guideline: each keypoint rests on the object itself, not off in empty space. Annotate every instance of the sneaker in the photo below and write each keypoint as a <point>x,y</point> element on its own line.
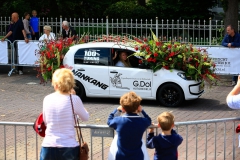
<point>233,83</point>
<point>20,72</point>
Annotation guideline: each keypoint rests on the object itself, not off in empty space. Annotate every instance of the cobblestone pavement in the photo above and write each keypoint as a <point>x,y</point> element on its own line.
<point>21,99</point>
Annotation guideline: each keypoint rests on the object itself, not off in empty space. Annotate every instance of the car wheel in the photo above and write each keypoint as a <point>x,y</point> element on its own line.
<point>80,91</point>
<point>170,95</point>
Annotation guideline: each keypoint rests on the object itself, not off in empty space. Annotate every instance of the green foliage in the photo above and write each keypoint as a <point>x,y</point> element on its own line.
<point>219,39</point>
<point>170,9</point>
<point>225,5</point>
<point>126,10</point>
<point>174,9</point>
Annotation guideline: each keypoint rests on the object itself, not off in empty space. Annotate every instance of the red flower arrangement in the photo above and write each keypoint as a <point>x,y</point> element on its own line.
<point>51,54</point>
<point>195,62</point>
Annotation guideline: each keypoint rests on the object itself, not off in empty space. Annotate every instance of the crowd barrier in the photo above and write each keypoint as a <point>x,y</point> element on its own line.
<point>5,53</point>
<point>204,139</point>
<point>226,59</point>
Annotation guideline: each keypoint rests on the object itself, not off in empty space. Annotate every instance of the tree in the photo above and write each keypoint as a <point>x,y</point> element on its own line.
<point>141,3</point>
<point>231,13</point>
<point>184,9</point>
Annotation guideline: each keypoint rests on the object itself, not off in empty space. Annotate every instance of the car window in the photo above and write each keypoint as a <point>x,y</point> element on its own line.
<point>134,60</point>
<point>92,56</point>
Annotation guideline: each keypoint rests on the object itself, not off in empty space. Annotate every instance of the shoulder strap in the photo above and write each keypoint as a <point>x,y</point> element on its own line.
<point>78,129</point>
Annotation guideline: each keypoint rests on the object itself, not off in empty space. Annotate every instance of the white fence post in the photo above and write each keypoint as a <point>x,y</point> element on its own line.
<point>210,31</point>
<point>157,27</point>
<point>107,27</point>
<point>60,23</point>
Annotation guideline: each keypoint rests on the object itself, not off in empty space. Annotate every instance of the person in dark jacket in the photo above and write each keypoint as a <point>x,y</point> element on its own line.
<point>130,128</point>
<point>167,142</point>
<point>10,38</point>
<point>68,32</point>
<point>232,39</point>
<point>18,33</point>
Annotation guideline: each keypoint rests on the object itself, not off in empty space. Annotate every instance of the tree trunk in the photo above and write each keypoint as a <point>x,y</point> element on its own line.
<point>231,15</point>
<point>142,3</point>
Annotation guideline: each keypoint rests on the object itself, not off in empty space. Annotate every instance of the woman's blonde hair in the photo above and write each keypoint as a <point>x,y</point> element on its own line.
<point>63,79</point>
<point>126,63</point>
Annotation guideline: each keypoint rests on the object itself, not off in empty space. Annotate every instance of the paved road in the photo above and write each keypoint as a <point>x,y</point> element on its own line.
<point>21,100</point>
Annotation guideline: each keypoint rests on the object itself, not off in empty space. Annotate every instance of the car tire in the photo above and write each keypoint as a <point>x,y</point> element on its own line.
<point>80,91</point>
<point>170,95</point>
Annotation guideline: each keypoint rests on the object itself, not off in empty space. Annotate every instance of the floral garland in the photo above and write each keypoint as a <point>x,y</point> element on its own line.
<point>51,54</point>
<point>195,62</point>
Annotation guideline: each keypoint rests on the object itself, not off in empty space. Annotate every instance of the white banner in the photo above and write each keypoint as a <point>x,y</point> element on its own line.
<point>27,52</point>
<point>4,52</point>
<point>227,60</point>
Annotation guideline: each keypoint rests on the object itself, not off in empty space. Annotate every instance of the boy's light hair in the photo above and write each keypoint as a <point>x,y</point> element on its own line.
<point>166,120</point>
<point>63,79</point>
<point>130,102</point>
<point>34,11</point>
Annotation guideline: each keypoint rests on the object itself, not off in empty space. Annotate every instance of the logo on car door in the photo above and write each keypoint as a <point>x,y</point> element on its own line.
<point>116,81</point>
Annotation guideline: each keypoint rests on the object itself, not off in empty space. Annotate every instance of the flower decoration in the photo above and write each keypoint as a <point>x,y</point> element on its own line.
<point>195,62</point>
<point>51,54</point>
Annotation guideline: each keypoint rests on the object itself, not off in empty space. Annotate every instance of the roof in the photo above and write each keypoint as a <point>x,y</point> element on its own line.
<point>103,45</point>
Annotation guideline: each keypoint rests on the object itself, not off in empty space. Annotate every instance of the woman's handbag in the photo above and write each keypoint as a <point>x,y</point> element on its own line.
<point>84,149</point>
<point>39,126</point>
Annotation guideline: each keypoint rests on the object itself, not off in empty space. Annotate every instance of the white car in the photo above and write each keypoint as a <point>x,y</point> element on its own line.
<point>97,76</point>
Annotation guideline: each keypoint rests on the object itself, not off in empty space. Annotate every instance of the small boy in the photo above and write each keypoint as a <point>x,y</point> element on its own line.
<point>130,128</point>
<point>165,144</point>
<point>34,23</point>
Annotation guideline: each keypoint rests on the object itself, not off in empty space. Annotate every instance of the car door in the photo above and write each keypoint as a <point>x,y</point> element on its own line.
<point>91,69</point>
<point>125,79</point>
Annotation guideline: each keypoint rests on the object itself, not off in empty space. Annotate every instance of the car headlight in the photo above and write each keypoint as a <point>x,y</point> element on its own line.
<point>183,76</point>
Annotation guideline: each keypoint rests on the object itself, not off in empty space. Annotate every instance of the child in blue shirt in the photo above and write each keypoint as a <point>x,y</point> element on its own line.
<point>34,23</point>
<point>165,144</point>
<point>130,128</point>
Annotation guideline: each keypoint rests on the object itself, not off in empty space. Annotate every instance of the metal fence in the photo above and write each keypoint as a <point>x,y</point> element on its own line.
<point>206,32</point>
<point>205,139</point>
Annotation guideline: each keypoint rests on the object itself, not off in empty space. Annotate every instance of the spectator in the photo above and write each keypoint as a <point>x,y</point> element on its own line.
<point>165,144</point>
<point>130,128</point>
<point>60,139</point>
<point>232,39</point>
<point>34,23</point>
<point>10,38</point>
<point>26,25</point>
<point>48,35</point>
<point>18,33</point>
<point>233,98</point>
<point>123,60</point>
<point>68,32</point>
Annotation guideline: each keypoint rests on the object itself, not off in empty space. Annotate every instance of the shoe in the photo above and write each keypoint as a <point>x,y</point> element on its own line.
<point>233,83</point>
<point>20,72</point>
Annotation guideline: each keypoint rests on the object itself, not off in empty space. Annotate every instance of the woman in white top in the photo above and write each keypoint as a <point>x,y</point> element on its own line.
<point>48,35</point>
<point>60,139</point>
<point>233,98</point>
<point>123,60</point>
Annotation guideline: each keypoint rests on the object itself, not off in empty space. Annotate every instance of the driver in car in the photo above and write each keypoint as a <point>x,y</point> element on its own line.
<point>123,60</point>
